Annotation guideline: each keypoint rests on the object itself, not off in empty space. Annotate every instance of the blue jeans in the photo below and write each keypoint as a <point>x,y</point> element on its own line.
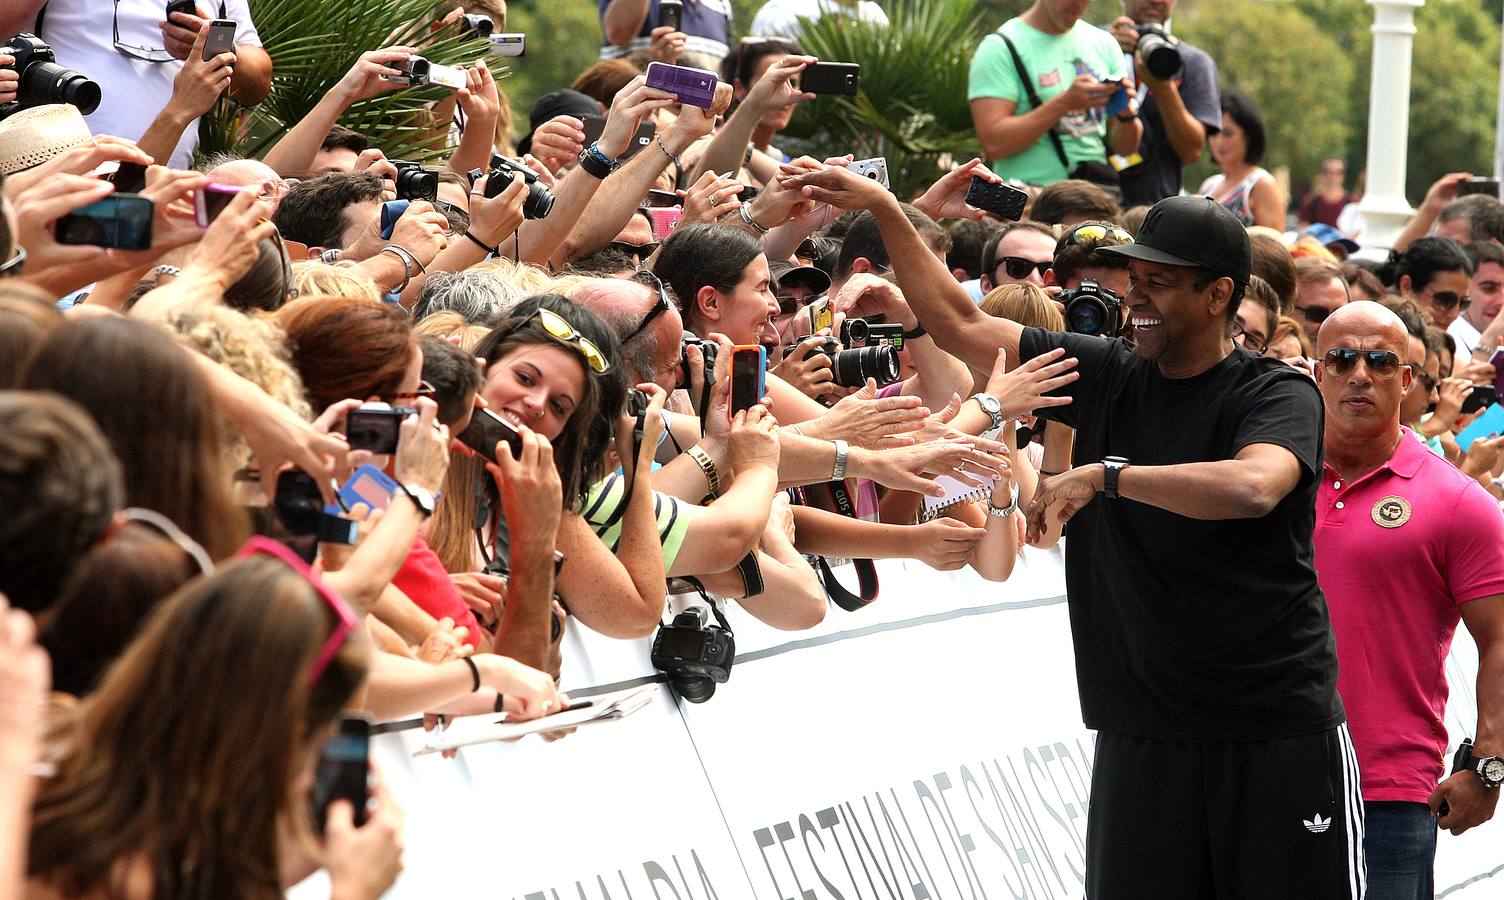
<point>1399,841</point>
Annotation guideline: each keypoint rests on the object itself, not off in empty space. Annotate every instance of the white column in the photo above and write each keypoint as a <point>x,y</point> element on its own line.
<point>1385,210</point>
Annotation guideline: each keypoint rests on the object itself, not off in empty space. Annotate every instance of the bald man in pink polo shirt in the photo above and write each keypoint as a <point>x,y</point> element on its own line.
<point>1405,546</point>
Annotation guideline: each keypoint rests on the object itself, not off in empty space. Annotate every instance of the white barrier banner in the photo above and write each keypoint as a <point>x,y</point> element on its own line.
<point>927,746</point>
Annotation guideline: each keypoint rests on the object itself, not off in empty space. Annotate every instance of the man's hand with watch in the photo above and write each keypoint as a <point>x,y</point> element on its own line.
<point>1063,495</point>
<point>1468,796</point>
<point>422,458</point>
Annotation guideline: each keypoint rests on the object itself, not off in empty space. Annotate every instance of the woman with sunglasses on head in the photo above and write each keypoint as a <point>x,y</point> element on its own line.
<point>1436,273</point>
<point>168,780</point>
<point>553,372</point>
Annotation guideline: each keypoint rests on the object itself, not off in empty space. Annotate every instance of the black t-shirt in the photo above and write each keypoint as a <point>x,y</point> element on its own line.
<point>1161,173</point>
<point>1187,629</point>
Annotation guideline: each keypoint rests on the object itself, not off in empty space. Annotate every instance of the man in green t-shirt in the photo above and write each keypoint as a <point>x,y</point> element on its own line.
<point>1075,69</point>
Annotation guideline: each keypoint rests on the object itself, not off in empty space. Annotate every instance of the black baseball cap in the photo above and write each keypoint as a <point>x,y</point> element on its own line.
<point>1192,231</point>
<point>786,273</point>
<point>558,103</point>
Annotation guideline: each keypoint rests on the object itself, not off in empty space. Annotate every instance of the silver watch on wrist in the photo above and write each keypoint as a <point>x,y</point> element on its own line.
<point>1004,511</point>
<point>838,472</point>
<point>422,498</point>
<point>992,407</point>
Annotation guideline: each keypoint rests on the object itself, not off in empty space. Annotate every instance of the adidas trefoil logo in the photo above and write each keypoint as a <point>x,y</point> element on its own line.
<point>1316,824</point>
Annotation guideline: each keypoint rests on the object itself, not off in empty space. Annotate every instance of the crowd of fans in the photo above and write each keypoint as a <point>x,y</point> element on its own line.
<point>343,435</point>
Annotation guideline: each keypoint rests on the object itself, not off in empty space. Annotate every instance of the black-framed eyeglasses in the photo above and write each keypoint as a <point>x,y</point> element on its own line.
<point>1341,360</point>
<point>13,266</point>
<point>156,55</point>
<point>1019,268</point>
<point>1449,299</point>
<point>637,252</point>
<point>1252,340</point>
<point>660,306</point>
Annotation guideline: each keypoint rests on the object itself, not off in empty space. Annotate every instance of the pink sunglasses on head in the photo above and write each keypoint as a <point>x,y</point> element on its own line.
<point>268,547</point>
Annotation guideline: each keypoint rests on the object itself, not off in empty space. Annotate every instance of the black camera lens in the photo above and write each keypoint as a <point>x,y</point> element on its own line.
<point>852,368</point>
<point>695,690</point>
<point>1086,315</point>
<point>47,82</point>
<point>1158,50</point>
<point>415,182</point>
<point>539,201</point>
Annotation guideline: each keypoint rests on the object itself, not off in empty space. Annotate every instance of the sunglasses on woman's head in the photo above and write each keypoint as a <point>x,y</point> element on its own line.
<point>346,617</point>
<point>560,330</point>
<point>424,390</point>
<point>1107,234</point>
<point>1341,360</point>
<point>1019,268</point>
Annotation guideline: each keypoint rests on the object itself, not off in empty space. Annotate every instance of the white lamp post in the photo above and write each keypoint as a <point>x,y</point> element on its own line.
<point>1384,208</point>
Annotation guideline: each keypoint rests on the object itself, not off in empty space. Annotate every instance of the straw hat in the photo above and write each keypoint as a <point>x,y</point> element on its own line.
<point>36,134</point>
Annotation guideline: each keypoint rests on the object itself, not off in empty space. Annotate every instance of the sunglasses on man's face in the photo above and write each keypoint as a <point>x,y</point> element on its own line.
<point>638,252</point>
<point>1341,360</point>
<point>1019,268</point>
<point>1315,314</point>
<point>1449,299</point>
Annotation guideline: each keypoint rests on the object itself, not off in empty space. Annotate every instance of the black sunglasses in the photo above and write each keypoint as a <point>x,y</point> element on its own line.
<point>136,51</point>
<point>1449,299</point>
<point>1019,268</point>
<point>1341,360</point>
<point>638,252</point>
<point>1315,314</point>
<point>648,279</point>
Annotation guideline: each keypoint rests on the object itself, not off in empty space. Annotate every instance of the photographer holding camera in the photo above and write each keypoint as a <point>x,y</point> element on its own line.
<point>137,58</point>
<point>1179,106</point>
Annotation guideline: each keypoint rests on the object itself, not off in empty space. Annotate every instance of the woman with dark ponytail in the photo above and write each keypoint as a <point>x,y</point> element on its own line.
<point>1435,272</point>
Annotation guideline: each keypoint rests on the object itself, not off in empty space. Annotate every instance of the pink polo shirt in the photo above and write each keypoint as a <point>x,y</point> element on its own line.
<point>1398,552</point>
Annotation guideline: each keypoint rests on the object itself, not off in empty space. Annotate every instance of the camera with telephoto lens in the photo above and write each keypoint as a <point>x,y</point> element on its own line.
<point>694,653</point>
<point>1092,309</point>
<point>415,182</point>
<point>708,351</point>
<point>481,25</point>
<point>851,368</point>
<point>1159,50</point>
<point>539,201</point>
<point>43,81</point>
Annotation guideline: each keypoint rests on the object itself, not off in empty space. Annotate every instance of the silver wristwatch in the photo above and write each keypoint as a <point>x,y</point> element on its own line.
<point>992,407</point>
<point>1006,511</point>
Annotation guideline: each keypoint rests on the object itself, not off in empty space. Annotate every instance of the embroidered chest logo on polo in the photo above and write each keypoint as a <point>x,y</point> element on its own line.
<point>1391,512</point>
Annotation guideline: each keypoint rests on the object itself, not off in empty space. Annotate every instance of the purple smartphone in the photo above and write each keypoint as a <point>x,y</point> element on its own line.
<point>693,86</point>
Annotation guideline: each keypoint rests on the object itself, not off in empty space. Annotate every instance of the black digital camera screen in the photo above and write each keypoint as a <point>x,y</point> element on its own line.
<point>681,643</point>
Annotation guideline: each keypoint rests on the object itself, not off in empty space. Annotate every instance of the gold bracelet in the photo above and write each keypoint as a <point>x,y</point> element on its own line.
<point>707,465</point>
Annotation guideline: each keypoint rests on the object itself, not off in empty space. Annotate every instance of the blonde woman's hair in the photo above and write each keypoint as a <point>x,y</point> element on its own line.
<point>1025,304</point>
<point>343,279</point>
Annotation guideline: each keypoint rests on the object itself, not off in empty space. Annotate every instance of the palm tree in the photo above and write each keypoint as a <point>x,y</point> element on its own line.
<point>313,43</point>
<point>912,107</point>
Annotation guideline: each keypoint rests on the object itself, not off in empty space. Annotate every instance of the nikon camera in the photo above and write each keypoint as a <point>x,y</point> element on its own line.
<point>1092,309</point>
<point>694,653</point>
<point>539,200</point>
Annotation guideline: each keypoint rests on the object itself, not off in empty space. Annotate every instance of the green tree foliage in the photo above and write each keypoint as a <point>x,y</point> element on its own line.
<point>1269,51</point>
<point>1454,93</point>
<point>312,44</point>
<point>564,39</point>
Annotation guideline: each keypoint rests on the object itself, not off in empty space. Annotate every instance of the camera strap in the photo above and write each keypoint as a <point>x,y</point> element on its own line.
<point>1028,84</point>
<point>631,483</point>
<point>866,572</point>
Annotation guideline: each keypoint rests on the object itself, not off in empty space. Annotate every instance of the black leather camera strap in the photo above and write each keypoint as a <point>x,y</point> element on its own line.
<point>866,572</point>
<point>1028,85</point>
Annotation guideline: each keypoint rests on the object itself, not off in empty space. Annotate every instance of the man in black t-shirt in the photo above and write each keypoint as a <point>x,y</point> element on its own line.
<point>1204,654</point>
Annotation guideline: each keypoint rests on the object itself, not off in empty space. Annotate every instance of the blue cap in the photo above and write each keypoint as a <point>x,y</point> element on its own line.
<point>1327,236</point>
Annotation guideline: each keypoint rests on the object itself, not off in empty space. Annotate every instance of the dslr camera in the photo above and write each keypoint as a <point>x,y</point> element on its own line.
<point>539,201</point>
<point>851,368</point>
<point>415,182</point>
<point>43,81</point>
<point>1159,49</point>
<point>416,70</point>
<point>708,350</point>
<point>1092,309</point>
<point>695,653</point>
